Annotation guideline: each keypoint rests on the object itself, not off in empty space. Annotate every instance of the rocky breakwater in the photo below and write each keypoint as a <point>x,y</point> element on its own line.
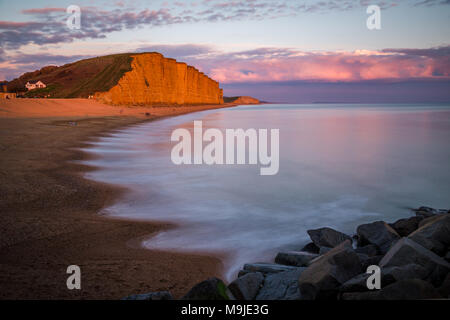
<point>413,255</point>
<point>156,80</point>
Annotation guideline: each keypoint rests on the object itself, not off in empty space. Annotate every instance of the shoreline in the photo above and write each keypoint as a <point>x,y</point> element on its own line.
<point>50,211</point>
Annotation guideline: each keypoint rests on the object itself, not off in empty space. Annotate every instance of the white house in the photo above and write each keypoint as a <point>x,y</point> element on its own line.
<point>37,84</point>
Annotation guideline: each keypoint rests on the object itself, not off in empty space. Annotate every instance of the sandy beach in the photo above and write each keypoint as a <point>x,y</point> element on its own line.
<point>49,213</point>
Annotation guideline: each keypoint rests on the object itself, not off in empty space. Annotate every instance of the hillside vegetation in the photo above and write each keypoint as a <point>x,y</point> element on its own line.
<point>79,79</point>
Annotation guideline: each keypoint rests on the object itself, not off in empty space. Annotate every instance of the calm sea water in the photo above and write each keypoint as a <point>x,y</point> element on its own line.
<point>340,166</point>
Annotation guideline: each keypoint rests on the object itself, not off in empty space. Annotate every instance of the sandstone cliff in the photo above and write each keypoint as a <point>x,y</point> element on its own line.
<point>126,78</point>
<point>154,79</point>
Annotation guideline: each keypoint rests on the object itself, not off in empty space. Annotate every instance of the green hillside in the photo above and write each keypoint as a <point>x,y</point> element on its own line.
<point>76,80</point>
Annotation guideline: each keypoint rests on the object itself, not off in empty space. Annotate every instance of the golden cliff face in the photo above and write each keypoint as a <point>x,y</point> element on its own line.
<point>158,80</point>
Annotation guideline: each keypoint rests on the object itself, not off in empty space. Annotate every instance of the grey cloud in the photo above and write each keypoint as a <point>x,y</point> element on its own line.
<point>28,62</point>
<point>44,59</point>
<point>47,25</point>
<point>430,3</point>
<point>429,52</point>
<point>178,51</point>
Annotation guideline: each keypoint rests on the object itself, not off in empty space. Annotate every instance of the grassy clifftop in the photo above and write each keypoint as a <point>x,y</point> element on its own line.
<point>79,79</point>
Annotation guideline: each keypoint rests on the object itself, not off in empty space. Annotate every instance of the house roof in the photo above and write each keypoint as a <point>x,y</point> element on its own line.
<point>34,81</point>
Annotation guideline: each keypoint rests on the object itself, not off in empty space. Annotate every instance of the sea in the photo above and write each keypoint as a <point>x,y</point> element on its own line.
<point>340,165</point>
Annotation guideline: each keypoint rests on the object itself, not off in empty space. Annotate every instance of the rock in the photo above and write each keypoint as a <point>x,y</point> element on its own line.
<point>247,286</point>
<point>435,235</point>
<point>370,250</point>
<point>428,212</point>
<point>267,268</point>
<point>444,289</point>
<point>409,271</point>
<point>425,212</point>
<point>356,284</point>
<point>211,289</point>
<point>311,248</point>
<point>243,272</point>
<point>428,220</point>
<point>378,233</point>
<point>411,289</point>
<point>295,258</point>
<point>327,237</point>
<point>161,295</point>
<point>406,251</point>
<point>447,256</point>
<point>406,226</point>
<point>367,261</point>
<point>388,275</point>
<point>281,286</point>
<point>324,250</point>
<point>327,273</point>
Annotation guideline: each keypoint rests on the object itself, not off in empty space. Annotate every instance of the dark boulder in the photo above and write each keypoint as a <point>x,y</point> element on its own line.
<point>406,226</point>
<point>428,212</point>
<point>406,251</point>
<point>327,273</point>
<point>327,237</point>
<point>435,235</point>
<point>247,286</point>
<point>367,261</point>
<point>409,271</point>
<point>378,233</point>
<point>370,250</point>
<point>388,275</point>
<point>295,258</point>
<point>425,212</point>
<point>447,256</point>
<point>211,289</point>
<point>356,284</point>
<point>444,289</point>
<point>311,248</point>
<point>411,289</point>
<point>428,220</point>
<point>267,268</point>
<point>324,250</point>
<point>281,286</point>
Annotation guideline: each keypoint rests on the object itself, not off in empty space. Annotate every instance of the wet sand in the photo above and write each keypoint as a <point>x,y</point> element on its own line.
<point>49,213</point>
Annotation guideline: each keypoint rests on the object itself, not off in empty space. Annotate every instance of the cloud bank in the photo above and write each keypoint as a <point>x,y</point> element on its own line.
<point>281,64</point>
<point>48,25</point>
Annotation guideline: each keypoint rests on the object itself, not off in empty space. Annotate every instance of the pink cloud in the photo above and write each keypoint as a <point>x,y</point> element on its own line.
<point>43,10</point>
<point>271,65</point>
<point>282,65</point>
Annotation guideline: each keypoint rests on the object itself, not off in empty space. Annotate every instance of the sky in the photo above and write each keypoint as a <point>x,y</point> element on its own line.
<point>282,51</point>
